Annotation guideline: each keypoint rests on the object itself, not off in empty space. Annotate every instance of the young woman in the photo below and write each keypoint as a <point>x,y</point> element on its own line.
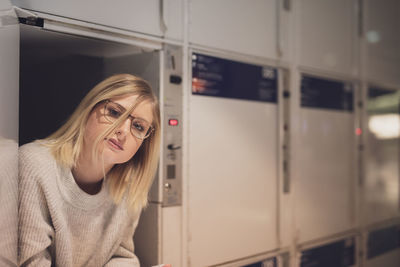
<point>82,189</point>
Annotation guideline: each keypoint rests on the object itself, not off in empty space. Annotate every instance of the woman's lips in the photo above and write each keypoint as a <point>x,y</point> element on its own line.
<point>114,143</point>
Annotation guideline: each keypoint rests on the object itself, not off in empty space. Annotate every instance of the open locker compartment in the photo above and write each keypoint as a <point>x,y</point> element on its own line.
<point>58,68</point>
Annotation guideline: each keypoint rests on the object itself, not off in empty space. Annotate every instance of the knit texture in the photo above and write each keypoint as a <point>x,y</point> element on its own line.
<point>61,225</point>
<point>8,200</point>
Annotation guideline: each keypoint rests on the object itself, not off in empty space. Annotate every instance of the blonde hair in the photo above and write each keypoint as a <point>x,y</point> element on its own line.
<point>133,177</point>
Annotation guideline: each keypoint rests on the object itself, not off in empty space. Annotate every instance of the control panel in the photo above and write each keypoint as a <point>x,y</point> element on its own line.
<point>172,127</point>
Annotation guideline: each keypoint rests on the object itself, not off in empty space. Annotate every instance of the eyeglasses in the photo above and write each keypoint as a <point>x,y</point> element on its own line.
<point>140,128</point>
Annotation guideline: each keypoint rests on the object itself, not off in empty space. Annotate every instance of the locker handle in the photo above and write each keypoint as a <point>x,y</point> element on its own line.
<point>173,147</point>
<point>286,179</point>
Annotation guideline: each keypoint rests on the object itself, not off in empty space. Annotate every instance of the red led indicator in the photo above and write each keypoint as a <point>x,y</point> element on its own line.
<point>173,122</point>
<point>358,131</point>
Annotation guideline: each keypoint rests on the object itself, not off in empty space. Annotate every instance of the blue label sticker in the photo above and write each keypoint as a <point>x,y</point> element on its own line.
<point>271,262</point>
<point>212,76</point>
<point>337,254</point>
<point>326,94</point>
<point>383,240</point>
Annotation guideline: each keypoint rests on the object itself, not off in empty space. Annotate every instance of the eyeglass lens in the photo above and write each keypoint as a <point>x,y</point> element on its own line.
<point>139,127</point>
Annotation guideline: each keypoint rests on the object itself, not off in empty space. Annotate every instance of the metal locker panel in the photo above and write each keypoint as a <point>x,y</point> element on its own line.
<point>381,185</point>
<point>232,179</point>
<point>323,189</point>
<point>9,72</point>
<point>172,236</point>
<point>5,5</point>
<point>147,235</point>
<point>327,35</point>
<point>158,237</point>
<point>235,25</point>
<point>324,173</point>
<point>381,40</point>
<point>140,16</point>
<point>145,64</point>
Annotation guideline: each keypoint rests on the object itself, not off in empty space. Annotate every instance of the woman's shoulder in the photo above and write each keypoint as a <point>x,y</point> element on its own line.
<point>36,148</point>
<point>35,156</point>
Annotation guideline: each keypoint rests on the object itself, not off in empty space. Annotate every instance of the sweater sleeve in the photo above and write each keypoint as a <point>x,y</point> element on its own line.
<point>124,255</point>
<point>34,226</point>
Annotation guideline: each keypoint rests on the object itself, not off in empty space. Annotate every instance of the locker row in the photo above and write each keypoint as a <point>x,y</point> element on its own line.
<point>273,153</point>
<point>377,247</point>
<point>334,36</point>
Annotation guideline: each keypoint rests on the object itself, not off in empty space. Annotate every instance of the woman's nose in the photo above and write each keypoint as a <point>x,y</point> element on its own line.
<point>125,127</point>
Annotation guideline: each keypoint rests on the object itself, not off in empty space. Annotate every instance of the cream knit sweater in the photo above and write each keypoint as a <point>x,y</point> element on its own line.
<point>61,225</point>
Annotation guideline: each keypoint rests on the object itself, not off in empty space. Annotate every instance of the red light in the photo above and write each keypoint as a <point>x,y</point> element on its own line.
<point>358,131</point>
<point>173,122</point>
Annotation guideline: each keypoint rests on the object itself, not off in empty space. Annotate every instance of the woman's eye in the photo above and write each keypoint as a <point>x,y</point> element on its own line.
<point>114,113</point>
<point>138,126</point>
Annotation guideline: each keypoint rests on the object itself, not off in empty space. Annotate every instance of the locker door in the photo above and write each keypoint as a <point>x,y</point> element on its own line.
<point>232,191</point>
<point>381,40</point>
<point>154,17</point>
<point>235,25</point>
<point>327,35</point>
<point>381,186</point>
<point>324,172</point>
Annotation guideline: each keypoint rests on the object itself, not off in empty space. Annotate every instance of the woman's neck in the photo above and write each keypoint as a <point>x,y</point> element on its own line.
<point>89,174</point>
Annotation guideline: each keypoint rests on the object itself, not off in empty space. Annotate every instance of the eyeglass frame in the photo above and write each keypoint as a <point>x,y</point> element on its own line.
<point>149,131</point>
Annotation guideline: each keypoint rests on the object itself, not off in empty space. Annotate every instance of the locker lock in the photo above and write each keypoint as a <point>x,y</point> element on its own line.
<point>175,79</point>
<point>167,186</point>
